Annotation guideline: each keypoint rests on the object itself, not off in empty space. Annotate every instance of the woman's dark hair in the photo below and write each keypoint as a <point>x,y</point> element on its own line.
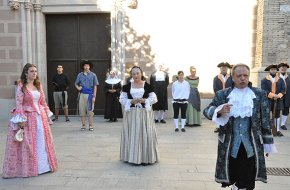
<point>23,77</point>
<point>137,67</point>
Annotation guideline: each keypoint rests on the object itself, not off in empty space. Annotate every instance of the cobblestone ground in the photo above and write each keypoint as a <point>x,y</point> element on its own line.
<point>90,160</point>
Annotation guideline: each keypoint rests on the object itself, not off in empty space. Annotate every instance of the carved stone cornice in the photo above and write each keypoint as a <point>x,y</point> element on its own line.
<point>28,5</point>
<point>37,7</point>
<point>14,4</point>
<point>133,4</point>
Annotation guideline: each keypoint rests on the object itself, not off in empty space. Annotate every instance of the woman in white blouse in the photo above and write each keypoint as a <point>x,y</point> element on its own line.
<point>138,136</point>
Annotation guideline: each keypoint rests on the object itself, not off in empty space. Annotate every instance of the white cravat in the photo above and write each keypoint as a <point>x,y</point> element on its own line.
<point>242,105</point>
<point>242,101</point>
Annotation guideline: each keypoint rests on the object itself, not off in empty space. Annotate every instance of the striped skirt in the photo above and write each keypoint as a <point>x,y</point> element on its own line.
<point>138,137</point>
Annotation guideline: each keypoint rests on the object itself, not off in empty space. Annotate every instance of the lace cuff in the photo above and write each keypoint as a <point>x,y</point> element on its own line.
<point>270,148</point>
<point>148,105</point>
<point>223,119</point>
<point>18,118</point>
<point>152,99</point>
<point>49,113</point>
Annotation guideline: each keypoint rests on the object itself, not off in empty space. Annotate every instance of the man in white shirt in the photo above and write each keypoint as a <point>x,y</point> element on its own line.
<point>180,94</point>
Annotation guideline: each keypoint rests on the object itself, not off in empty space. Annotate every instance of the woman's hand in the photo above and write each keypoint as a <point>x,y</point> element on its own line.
<point>112,90</point>
<point>142,101</point>
<point>21,124</point>
<point>134,101</point>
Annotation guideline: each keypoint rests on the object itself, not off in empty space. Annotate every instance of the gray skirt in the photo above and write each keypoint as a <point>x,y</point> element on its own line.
<point>138,137</point>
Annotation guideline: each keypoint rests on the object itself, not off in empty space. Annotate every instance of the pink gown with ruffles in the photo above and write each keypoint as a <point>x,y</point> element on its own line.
<point>35,154</point>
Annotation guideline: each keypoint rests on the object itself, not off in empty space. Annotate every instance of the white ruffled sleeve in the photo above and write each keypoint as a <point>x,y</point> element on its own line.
<point>270,148</point>
<point>125,101</point>
<point>49,113</point>
<point>18,119</point>
<point>223,119</point>
<point>152,99</point>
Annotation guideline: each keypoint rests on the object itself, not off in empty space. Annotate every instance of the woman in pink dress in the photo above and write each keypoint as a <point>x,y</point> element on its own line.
<point>35,154</point>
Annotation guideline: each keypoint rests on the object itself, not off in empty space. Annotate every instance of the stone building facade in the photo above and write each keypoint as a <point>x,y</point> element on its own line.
<point>272,35</point>
<point>23,38</point>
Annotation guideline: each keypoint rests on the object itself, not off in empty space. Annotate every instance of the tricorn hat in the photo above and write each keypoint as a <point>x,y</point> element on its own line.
<point>271,66</point>
<point>85,61</point>
<point>283,65</point>
<point>224,64</point>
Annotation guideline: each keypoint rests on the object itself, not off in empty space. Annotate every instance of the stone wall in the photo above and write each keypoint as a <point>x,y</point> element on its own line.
<point>10,56</point>
<point>10,49</point>
<point>273,36</point>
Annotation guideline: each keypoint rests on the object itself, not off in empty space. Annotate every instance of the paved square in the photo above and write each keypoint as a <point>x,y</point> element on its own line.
<point>90,160</point>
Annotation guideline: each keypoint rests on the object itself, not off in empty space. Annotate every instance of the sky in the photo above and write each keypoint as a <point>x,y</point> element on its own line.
<point>199,33</point>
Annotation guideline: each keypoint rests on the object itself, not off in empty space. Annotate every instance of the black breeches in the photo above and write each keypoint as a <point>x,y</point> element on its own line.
<point>242,169</point>
<point>285,111</point>
<point>277,115</point>
<point>176,107</point>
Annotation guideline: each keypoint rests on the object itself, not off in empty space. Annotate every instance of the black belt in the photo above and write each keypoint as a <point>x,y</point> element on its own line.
<point>180,100</point>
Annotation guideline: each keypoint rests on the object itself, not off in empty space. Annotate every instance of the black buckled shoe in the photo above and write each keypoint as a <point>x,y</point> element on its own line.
<point>283,127</point>
<point>183,130</point>
<point>216,130</point>
<point>176,130</point>
<point>279,134</point>
<point>162,121</point>
<point>156,121</point>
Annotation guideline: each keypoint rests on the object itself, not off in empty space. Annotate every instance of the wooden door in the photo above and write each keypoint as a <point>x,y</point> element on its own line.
<point>72,38</point>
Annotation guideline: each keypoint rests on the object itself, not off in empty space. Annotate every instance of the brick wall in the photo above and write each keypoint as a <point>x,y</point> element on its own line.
<point>10,49</point>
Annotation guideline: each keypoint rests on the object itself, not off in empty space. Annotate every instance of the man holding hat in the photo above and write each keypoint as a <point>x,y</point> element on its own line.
<point>286,98</point>
<point>222,81</point>
<point>275,89</point>
<point>86,83</point>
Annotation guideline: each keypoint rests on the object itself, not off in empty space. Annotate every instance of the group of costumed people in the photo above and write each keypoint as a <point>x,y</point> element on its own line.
<point>185,94</point>
<point>241,112</point>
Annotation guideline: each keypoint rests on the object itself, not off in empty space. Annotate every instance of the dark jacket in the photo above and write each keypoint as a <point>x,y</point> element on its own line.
<point>286,97</point>
<point>218,83</point>
<point>278,88</point>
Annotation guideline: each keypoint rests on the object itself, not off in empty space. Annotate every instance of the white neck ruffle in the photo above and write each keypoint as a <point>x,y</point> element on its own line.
<point>112,80</point>
<point>242,101</point>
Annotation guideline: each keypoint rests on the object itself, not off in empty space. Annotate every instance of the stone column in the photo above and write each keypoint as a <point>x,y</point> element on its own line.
<point>118,39</point>
<point>38,15</point>
<point>257,69</point>
<point>28,8</point>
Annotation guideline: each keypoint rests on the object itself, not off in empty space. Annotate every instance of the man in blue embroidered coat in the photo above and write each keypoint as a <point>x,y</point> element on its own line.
<point>286,98</point>
<point>275,89</point>
<point>243,114</point>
